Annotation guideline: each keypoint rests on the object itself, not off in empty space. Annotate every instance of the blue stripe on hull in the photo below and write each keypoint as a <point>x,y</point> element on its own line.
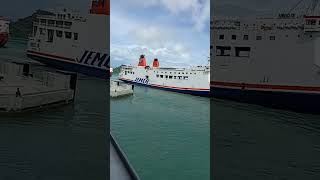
<point>72,67</point>
<point>299,102</point>
<point>195,93</point>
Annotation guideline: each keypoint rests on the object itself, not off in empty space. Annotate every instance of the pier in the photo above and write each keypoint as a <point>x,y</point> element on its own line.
<point>119,89</point>
<point>22,90</point>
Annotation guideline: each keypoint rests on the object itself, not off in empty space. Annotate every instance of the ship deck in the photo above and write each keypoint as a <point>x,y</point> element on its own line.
<point>120,168</point>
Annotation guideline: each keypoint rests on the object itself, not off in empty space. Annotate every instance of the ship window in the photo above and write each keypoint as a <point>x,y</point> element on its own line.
<point>234,37</point>
<point>51,22</point>
<point>35,28</point>
<point>246,37</point>
<point>42,31</point>
<point>221,37</point>
<point>185,77</point>
<point>170,77</point>
<point>59,23</point>
<point>68,35</point>
<point>311,22</point>
<point>157,75</point>
<point>50,35</point>
<point>179,77</point>
<point>67,24</point>
<point>43,21</point>
<point>166,76</point>
<point>75,36</point>
<point>175,77</point>
<point>272,38</point>
<point>259,38</point>
<point>59,33</point>
<point>161,76</point>
<point>223,50</point>
<point>242,51</point>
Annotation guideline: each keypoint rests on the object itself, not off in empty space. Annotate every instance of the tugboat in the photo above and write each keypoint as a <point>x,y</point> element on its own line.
<point>4,31</point>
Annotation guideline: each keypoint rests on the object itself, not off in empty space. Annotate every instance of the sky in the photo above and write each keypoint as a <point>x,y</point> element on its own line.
<point>177,32</point>
<point>174,31</point>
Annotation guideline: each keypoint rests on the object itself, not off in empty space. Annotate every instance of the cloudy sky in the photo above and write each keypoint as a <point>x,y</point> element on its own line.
<point>174,31</point>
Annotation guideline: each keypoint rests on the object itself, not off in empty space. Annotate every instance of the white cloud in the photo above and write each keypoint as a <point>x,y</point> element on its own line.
<point>129,54</point>
<point>151,35</point>
<point>173,45</point>
<point>199,10</point>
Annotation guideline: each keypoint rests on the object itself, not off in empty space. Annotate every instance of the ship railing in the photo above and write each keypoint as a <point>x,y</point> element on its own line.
<point>52,25</point>
<point>310,28</point>
<point>120,165</point>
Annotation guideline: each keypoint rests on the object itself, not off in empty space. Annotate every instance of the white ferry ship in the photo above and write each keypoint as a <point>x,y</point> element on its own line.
<point>69,41</point>
<point>195,80</point>
<point>4,31</point>
<point>268,61</point>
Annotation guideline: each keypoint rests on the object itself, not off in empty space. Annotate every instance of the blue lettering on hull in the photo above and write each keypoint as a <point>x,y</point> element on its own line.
<point>95,59</point>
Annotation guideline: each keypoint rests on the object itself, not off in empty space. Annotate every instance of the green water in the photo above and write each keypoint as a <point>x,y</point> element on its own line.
<point>165,135</point>
<point>66,142</point>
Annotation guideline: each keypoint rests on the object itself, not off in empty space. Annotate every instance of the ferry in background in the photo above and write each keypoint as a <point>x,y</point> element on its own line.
<point>69,41</point>
<point>195,80</point>
<point>268,61</point>
<point>4,31</point>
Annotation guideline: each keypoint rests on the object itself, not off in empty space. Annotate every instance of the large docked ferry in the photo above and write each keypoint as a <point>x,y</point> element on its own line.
<point>67,40</point>
<point>4,31</point>
<point>268,61</point>
<point>195,80</point>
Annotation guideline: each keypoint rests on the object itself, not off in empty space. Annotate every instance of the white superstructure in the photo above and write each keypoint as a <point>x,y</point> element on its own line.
<point>272,61</point>
<point>68,40</point>
<point>194,80</point>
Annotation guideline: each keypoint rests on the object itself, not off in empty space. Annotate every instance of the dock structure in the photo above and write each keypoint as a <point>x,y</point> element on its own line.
<point>119,89</point>
<point>21,90</point>
<point>120,167</point>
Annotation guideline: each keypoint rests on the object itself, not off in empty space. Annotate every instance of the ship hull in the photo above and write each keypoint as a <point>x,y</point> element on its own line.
<point>194,92</point>
<point>304,102</point>
<point>3,39</point>
<point>70,66</point>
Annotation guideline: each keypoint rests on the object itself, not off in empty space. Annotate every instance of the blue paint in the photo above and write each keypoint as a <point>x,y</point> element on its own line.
<point>90,71</point>
<point>95,58</point>
<point>299,102</point>
<point>140,80</point>
<point>191,92</point>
